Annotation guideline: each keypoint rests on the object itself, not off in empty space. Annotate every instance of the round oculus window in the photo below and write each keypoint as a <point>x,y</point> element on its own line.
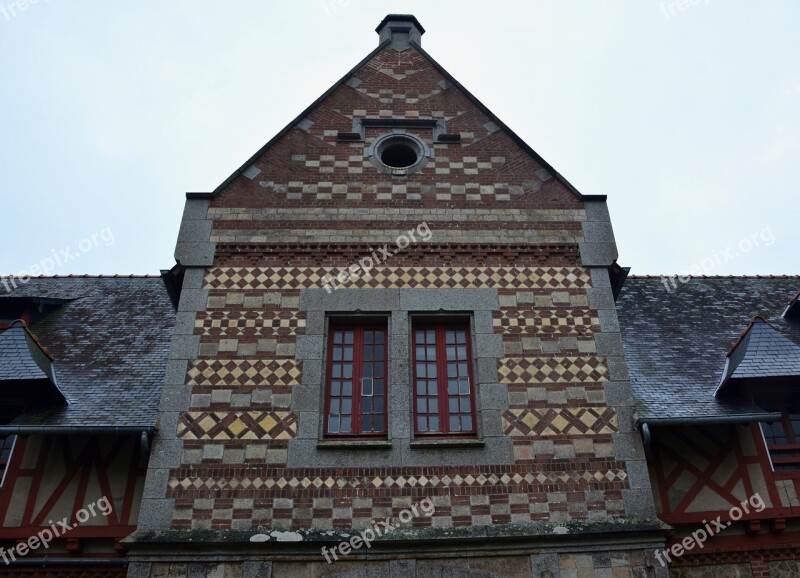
<point>398,154</point>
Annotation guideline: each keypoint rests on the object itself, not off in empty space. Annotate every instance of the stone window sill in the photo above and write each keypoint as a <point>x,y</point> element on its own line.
<point>447,443</point>
<point>354,445</point>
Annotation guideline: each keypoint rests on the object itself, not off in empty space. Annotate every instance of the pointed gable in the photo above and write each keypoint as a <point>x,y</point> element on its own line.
<point>475,159</point>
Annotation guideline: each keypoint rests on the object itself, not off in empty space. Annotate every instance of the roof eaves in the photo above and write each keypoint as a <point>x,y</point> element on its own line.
<point>742,418</point>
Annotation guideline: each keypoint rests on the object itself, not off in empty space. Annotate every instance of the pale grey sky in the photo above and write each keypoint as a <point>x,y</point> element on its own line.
<point>686,114</point>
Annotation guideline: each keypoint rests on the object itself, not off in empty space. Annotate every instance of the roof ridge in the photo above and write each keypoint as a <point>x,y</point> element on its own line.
<point>88,276</point>
<point>661,276</point>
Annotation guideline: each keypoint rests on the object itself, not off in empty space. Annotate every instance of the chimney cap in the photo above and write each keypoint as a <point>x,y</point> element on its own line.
<point>400,28</point>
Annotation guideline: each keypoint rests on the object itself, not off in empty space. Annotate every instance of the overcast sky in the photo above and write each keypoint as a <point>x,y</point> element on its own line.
<point>686,114</point>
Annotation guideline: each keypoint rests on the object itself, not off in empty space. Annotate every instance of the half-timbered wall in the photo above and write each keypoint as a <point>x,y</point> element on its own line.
<point>53,477</point>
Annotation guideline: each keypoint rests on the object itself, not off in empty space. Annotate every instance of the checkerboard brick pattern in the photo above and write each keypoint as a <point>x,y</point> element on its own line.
<point>234,372</point>
<point>281,278</point>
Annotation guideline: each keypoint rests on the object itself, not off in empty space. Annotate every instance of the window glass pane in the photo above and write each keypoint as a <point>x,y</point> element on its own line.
<point>378,420</point>
<point>368,337</point>
<point>434,423</point>
<point>366,405</point>
<point>348,337</point>
<point>345,424</point>
<point>348,369</point>
<point>422,423</point>
<point>466,422</point>
<point>377,387</point>
<point>347,388</point>
<point>366,423</point>
<point>455,423</point>
<point>333,423</point>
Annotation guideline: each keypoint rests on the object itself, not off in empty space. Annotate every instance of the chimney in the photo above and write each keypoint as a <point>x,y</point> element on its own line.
<point>400,29</point>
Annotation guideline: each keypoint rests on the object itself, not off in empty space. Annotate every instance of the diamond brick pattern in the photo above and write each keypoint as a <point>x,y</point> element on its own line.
<point>535,370</point>
<point>250,323</point>
<point>244,372</point>
<point>539,320</point>
<point>281,278</point>
<point>477,479</point>
<point>251,425</point>
<point>559,421</point>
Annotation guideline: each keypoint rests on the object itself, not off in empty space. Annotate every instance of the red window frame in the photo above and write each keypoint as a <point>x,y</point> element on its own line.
<point>367,418</point>
<point>442,410</point>
<point>783,441</point>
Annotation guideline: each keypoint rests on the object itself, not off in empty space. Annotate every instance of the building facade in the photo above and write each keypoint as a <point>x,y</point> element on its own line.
<point>396,312</point>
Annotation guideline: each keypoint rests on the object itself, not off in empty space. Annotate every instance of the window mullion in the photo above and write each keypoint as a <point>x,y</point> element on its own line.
<point>358,359</point>
<point>441,370</point>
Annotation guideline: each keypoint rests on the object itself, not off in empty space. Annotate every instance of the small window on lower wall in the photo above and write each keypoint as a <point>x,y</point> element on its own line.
<point>444,392</point>
<point>783,440</point>
<point>356,384</point>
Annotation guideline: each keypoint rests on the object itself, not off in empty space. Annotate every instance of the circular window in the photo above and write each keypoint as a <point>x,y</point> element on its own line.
<point>398,153</point>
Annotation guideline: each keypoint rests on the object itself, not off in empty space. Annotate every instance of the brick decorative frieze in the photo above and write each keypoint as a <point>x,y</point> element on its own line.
<point>539,321</point>
<point>281,278</point>
<point>545,422</point>
<point>553,369</point>
<point>512,480</point>
<point>258,323</point>
<point>232,372</point>
<point>247,425</point>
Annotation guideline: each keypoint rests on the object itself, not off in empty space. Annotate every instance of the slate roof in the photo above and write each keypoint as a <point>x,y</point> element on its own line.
<point>21,357</point>
<point>676,341</point>
<point>26,367</point>
<point>109,344</point>
<point>761,352</point>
